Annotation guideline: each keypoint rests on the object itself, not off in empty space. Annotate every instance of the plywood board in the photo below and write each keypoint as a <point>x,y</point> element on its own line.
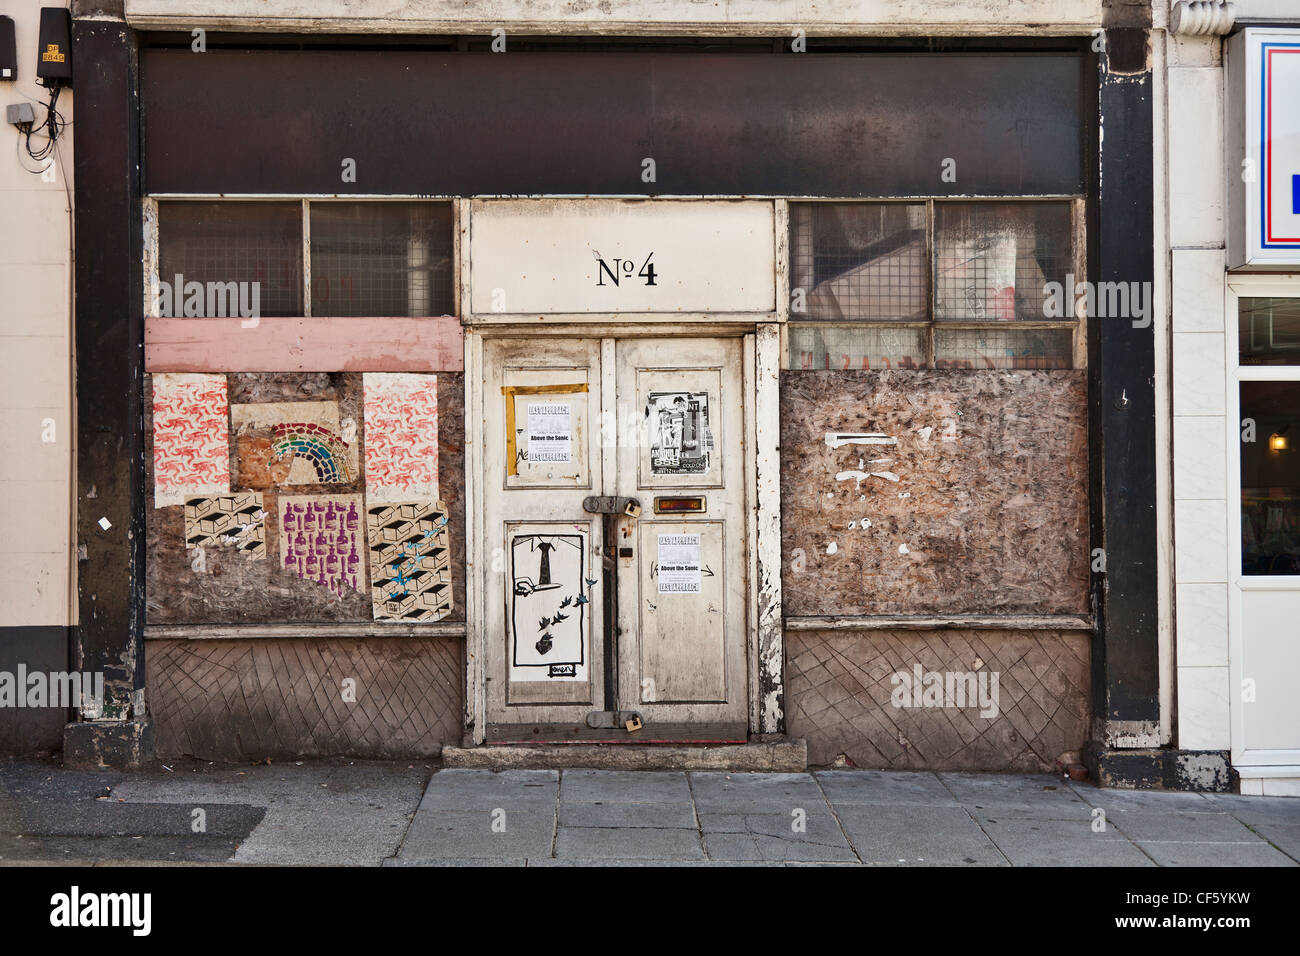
<point>224,587</point>
<point>254,699</point>
<point>840,697</point>
<point>934,492</point>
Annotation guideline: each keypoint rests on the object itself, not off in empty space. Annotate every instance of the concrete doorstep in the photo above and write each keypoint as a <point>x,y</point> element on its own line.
<point>786,756</point>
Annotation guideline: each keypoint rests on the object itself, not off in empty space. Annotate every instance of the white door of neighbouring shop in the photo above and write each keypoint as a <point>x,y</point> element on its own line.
<point>1264,529</point>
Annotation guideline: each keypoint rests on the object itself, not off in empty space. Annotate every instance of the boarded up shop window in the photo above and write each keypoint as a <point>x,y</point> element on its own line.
<point>929,285</point>
<point>372,259</point>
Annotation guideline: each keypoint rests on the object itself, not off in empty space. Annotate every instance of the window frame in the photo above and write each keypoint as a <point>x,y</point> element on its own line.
<point>152,247</point>
<point>1077,257</point>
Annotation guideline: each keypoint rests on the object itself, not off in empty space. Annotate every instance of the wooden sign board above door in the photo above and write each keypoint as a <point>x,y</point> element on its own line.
<point>596,258</point>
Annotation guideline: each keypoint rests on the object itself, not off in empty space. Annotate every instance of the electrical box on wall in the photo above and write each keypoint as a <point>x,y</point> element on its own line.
<point>54,49</point>
<point>8,50</point>
<point>1262,143</point>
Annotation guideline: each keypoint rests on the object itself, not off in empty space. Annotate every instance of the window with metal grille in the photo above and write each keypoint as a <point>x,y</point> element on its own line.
<point>381,258</point>
<point>931,284</point>
<point>372,259</point>
<point>206,246</point>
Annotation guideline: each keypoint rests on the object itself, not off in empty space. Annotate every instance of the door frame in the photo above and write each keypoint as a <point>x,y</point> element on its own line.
<point>760,376</point>
<point>1248,762</point>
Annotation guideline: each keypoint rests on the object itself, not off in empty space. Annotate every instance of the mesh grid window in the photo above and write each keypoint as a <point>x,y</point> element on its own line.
<point>218,243</point>
<point>859,260</point>
<point>992,261</point>
<point>381,259</point>
<point>934,284</point>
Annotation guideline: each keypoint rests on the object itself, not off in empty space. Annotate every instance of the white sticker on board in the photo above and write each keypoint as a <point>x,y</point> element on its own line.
<point>679,564</point>
<point>549,432</point>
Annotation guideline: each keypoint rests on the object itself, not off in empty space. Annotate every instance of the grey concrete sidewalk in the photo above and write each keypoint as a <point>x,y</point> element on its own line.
<point>399,814</point>
<point>541,817</point>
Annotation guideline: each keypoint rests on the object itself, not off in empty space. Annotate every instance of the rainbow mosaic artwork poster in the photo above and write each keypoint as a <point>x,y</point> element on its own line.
<point>323,449</point>
<point>279,444</point>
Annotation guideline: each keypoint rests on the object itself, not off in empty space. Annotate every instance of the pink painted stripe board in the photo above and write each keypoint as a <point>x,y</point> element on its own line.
<point>305,345</point>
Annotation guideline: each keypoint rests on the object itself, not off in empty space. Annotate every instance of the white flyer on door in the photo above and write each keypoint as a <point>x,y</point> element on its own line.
<point>549,432</point>
<point>679,564</point>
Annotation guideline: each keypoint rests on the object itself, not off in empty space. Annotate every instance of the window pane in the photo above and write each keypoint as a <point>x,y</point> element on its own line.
<point>1268,331</point>
<point>381,258</point>
<point>1270,478</point>
<point>257,245</point>
<point>856,347</point>
<point>858,261</point>
<point>1002,348</point>
<point>993,260</point>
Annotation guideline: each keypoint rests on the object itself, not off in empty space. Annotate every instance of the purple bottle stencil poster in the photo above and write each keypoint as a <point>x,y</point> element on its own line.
<point>323,540</point>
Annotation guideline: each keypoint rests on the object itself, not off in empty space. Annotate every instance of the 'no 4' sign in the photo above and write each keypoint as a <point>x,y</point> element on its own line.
<point>623,268</point>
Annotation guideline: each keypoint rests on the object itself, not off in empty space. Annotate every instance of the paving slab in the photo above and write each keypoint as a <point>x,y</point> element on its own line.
<point>1254,810</point>
<point>659,816</point>
<point>870,787</point>
<point>1161,800</point>
<point>1216,854</point>
<point>469,834</point>
<point>312,836</point>
<point>1284,836</point>
<point>624,786</point>
<point>489,789</point>
<point>1062,843</point>
<point>773,837</point>
<point>1177,826</point>
<point>1016,797</point>
<point>916,835</point>
<point>756,792</point>
<point>629,843</point>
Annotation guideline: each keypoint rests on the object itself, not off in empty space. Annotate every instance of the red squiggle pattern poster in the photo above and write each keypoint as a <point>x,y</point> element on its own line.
<point>191,435</point>
<point>401,418</point>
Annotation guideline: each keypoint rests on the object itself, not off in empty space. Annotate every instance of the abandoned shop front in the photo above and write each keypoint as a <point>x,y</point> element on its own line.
<point>650,392</point>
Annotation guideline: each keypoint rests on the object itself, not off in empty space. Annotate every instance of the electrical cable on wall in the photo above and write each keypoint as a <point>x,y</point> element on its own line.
<point>51,128</point>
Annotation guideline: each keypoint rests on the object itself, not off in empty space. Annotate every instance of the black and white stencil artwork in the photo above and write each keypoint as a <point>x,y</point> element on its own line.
<point>680,439</point>
<point>548,609</point>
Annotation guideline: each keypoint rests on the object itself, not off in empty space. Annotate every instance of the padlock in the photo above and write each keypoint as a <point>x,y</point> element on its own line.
<point>633,508</point>
<point>633,723</point>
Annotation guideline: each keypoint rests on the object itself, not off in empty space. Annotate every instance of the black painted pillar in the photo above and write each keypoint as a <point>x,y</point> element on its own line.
<point>109,369</point>
<point>1121,357</point>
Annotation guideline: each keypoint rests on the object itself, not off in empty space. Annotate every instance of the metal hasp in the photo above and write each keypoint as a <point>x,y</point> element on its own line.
<point>609,505</point>
<point>614,720</point>
<point>610,509</point>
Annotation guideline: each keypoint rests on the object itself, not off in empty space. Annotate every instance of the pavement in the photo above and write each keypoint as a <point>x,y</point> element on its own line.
<point>373,813</point>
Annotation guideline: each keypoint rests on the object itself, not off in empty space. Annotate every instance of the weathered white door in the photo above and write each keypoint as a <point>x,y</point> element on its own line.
<point>543,612</point>
<point>682,594</point>
<point>654,419</point>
